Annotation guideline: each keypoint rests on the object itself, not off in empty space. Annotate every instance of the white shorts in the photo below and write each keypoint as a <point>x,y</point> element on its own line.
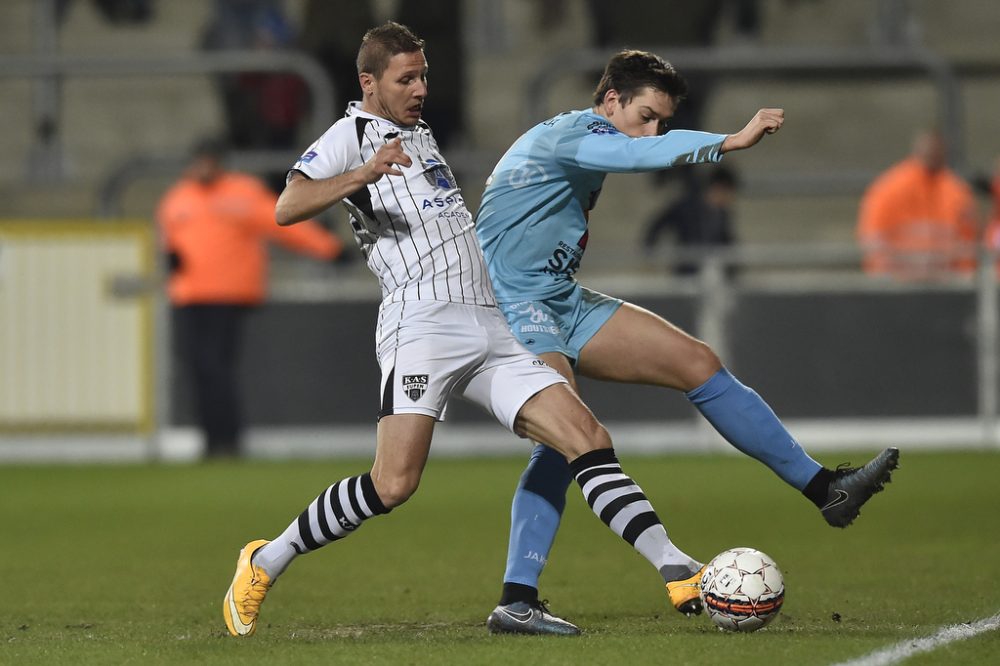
<point>431,350</point>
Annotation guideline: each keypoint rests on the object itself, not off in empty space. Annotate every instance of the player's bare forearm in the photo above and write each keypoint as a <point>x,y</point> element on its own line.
<point>765,121</point>
<point>304,198</point>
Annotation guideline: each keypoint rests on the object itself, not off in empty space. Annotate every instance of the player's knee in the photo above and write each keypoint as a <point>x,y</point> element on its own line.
<point>702,363</point>
<point>597,435</point>
<point>396,489</point>
<point>588,435</point>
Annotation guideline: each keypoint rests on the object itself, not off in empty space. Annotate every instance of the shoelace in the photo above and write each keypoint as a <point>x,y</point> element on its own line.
<point>845,468</point>
<point>255,596</point>
<point>543,606</point>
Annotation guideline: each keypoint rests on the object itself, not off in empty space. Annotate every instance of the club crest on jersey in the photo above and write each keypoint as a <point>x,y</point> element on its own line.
<point>438,174</point>
<point>602,127</point>
<point>526,173</point>
<point>414,386</point>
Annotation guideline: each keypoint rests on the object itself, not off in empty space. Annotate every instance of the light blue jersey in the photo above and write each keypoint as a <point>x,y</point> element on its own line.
<point>532,221</point>
<point>532,225</point>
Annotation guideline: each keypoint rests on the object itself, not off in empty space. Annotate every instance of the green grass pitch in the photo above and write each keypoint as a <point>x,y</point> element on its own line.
<point>129,564</point>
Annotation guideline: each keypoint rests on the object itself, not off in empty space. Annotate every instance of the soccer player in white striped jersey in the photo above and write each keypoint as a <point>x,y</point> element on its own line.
<point>533,225</point>
<point>439,335</point>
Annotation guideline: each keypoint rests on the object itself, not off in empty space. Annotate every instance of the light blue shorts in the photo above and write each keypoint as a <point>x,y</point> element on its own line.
<point>563,323</point>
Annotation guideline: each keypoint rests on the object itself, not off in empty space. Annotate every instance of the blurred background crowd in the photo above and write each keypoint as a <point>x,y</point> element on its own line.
<point>496,68</point>
<point>885,176</point>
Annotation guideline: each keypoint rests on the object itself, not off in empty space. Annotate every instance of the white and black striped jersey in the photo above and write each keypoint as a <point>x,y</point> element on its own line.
<point>414,230</point>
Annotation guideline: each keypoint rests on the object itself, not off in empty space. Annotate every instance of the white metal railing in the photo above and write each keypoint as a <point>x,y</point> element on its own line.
<point>41,66</point>
<point>44,67</point>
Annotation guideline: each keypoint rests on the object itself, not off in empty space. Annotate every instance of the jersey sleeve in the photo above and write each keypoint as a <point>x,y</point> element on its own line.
<point>604,148</point>
<point>332,154</point>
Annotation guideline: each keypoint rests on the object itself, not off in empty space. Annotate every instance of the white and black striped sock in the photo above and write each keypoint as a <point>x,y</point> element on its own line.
<point>338,511</point>
<point>620,503</point>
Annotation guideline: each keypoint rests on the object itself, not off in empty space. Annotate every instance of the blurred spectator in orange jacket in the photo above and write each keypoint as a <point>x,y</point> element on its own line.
<point>918,219</point>
<point>215,226</point>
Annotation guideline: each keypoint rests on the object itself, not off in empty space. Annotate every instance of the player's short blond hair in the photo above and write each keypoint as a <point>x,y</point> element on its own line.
<point>381,43</point>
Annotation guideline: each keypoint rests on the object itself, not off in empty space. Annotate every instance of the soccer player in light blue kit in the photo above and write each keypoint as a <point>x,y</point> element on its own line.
<point>532,224</point>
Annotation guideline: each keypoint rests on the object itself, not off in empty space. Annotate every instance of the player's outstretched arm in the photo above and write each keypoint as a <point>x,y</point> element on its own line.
<point>765,121</point>
<point>304,198</point>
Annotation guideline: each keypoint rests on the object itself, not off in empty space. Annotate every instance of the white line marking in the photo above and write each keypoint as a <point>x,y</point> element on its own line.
<point>906,649</point>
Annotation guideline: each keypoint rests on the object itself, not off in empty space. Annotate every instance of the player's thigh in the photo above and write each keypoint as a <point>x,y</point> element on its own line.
<point>403,443</point>
<point>508,375</point>
<point>640,347</point>
<point>562,365</point>
<point>558,418</point>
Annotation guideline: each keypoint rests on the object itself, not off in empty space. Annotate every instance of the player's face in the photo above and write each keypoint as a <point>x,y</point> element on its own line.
<point>398,95</point>
<point>645,114</point>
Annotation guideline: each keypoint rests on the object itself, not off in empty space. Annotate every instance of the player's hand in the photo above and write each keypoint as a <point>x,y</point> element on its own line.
<point>765,121</point>
<point>384,160</point>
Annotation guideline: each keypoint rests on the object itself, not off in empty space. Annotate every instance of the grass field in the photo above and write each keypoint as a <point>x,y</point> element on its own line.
<point>129,564</point>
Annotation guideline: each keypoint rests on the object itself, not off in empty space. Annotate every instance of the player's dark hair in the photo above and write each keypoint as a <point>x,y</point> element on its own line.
<point>629,71</point>
<point>381,43</point>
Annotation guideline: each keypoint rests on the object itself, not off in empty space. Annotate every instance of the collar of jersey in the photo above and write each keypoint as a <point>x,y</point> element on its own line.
<point>593,114</point>
<point>587,113</point>
<point>354,109</point>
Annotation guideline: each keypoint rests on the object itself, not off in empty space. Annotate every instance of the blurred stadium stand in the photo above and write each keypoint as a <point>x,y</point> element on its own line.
<point>898,362</point>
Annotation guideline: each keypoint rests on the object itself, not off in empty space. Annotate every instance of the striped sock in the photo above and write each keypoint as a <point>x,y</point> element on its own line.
<point>620,503</point>
<point>338,511</point>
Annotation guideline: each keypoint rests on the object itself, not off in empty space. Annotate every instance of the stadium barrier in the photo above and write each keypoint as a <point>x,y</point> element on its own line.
<point>846,359</point>
<point>77,332</point>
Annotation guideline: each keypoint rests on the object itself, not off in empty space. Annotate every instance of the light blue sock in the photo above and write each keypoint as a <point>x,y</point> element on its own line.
<point>535,514</point>
<point>746,421</point>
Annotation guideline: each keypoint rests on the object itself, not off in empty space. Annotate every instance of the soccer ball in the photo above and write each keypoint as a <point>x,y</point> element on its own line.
<point>742,589</point>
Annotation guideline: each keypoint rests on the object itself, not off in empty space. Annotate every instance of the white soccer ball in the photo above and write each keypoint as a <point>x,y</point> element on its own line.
<point>742,589</point>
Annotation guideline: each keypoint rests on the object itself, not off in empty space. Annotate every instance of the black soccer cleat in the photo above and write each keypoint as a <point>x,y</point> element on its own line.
<point>851,487</point>
<point>523,617</point>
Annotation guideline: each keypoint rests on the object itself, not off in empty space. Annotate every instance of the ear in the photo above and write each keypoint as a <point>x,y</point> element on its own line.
<point>367,82</point>
<point>611,102</point>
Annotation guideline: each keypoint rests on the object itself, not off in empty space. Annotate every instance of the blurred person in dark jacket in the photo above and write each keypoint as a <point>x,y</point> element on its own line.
<point>702,218</point>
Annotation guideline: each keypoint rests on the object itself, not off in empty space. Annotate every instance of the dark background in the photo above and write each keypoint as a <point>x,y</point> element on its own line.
<point>809,355</point>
